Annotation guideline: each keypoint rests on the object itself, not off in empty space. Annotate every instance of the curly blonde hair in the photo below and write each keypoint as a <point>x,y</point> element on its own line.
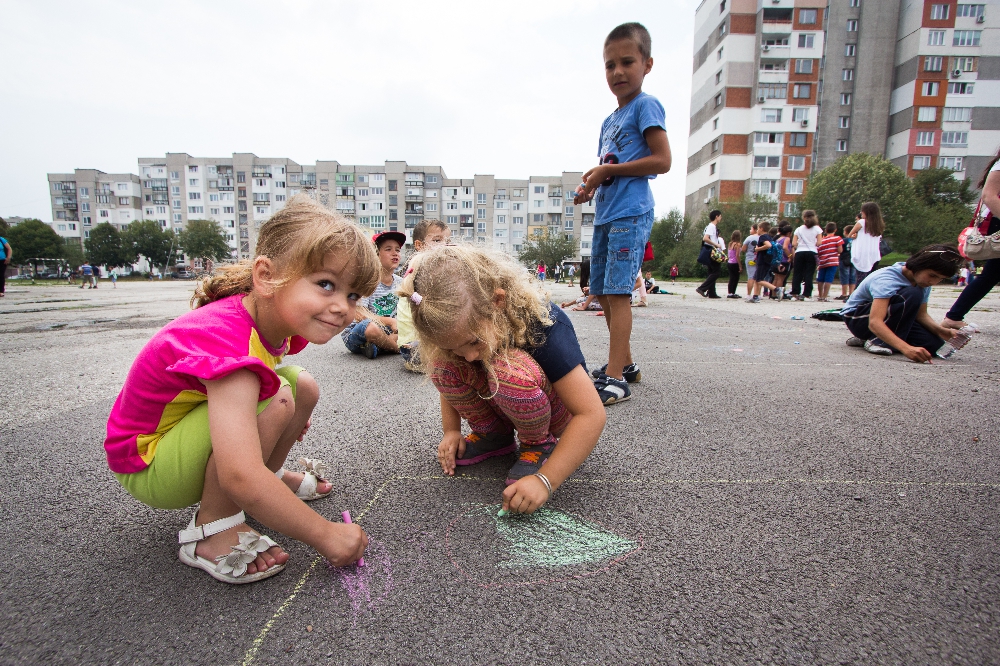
<point>457,287</point>
<point>297,239</point>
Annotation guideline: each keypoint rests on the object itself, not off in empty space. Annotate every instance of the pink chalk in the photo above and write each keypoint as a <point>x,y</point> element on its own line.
<point>347,519</point>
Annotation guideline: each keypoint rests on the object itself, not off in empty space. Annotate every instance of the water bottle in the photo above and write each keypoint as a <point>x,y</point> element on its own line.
<point>959,340</point>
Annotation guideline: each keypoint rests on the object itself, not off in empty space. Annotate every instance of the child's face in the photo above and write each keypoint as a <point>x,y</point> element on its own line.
<point>625,69</point>
<point>928,278</point>
<point>320,305</point>
<point>388,255</point>
<point>435,237</point>
<point>464,344</point>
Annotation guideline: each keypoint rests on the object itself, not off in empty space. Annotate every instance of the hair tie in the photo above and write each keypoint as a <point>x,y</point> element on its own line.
<point>416,298</point>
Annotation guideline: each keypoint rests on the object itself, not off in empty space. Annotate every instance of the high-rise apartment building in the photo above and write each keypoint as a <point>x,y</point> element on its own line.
<point>240,192</point>
<point>88,197</point>
<point>782,88</point>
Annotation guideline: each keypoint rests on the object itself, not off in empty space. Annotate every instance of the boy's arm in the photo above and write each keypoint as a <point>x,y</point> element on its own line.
<point>924,319</point>
<point>658,161</point>
<point>877,325</point>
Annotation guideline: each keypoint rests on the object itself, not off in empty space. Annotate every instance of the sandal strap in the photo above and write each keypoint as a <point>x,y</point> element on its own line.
<point>280,473</point>
<point>197,533</point>
<point>308,486</point>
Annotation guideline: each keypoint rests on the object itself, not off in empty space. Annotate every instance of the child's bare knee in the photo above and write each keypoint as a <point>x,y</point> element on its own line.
<point>372,331</point>
<point>282,405</point>
<point>306,391</point>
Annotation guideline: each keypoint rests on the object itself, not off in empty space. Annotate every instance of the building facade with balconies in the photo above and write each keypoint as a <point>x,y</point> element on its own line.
<point>88,197</point>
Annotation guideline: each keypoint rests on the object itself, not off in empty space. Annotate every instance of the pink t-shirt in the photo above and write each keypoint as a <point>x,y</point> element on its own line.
<point>164,382</point>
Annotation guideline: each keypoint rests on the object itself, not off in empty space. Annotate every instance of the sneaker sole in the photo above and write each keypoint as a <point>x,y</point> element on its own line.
<point>615,401</point>
<point>489,454</point>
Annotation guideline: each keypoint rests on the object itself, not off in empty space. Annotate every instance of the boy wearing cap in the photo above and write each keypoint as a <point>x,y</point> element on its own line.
<point>374,330</point>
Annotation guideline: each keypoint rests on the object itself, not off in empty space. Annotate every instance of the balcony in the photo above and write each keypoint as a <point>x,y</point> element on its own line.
<point>158,188</point>
<point>260,173</point>
<point>308,182</point>
<point>69,204</point>
<point>775,50</point>
<point>262,200</point>
<point>776,27</point>
<point>163,201</point>
<point>773,76</point>
<point>411,197</point>
<point>414,183</point>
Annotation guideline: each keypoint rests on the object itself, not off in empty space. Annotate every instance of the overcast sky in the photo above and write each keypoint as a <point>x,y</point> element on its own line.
<point>512,89</point>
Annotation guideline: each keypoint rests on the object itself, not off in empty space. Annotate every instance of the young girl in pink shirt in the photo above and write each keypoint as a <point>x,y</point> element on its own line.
<point>206,416</point>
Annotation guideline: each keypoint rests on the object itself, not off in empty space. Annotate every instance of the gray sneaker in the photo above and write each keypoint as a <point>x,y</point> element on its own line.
<point>480,446</point>
<point>855,341</point>
<point>876,346</point>
<point>631,373</point>
<point>530,461</point>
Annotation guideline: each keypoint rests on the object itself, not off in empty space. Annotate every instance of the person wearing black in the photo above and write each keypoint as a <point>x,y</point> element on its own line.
<point>710,241</point>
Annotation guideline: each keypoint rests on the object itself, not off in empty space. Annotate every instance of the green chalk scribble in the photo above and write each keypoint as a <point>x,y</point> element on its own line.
<point>551,538</point>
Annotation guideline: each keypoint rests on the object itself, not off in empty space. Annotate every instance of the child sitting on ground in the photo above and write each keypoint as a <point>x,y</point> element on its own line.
<point>204,416</point>
<point>426,235</point>
<point>508,362</point>
<point>375,329</point>
<point>888,310</point>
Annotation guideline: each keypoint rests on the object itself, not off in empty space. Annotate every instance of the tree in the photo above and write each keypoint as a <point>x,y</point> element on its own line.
<point>4,227</point>
<point>105,247</point>
<point>548,249</point>
<point>32,240</point>
<point>837,192</point>
<point>946,208</point>
<point>667,232</point>
<point>205,240</point>
<point>72,253</point>
<point>147,239</point>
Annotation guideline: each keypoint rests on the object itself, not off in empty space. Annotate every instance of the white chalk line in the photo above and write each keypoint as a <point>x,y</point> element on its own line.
<point>255,646</point>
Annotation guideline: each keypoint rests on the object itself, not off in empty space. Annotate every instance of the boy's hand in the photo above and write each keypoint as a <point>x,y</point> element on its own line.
<point>344,544</point>
<point>591,181</point>
<point>917,354</point>
<point>526,495</point>
<point>452,445</point>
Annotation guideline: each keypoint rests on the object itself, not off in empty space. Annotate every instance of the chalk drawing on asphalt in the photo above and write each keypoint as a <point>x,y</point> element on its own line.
<point>365,587</point>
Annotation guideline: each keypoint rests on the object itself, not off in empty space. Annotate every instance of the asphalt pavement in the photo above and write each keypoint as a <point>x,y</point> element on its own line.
<point>769,495</point>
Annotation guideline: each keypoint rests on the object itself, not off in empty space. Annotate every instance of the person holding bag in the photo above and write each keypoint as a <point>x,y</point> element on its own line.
<point>989,185</point>
<point>712,255</point>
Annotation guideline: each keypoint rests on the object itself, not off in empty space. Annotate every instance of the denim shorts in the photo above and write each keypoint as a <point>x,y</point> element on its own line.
<point>617,252</point>
<point>827,273</point>
<point>848,274</point>
<point>355,339</point>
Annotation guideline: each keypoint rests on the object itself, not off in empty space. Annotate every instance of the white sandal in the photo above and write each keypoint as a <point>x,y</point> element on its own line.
<point>231,568</point>
<point>315,469</point>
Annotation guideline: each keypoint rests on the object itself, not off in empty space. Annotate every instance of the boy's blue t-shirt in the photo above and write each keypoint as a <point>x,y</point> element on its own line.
<point>621,136</point>
<point>883,283</point>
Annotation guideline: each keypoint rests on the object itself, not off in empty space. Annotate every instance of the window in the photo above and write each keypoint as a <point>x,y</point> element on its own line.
<point>797,139</point>
<point>539,203</point>
<point>926,114</point>
<point>161,210</point>
<point>711,169</point>
<point>196,209</point>
<point>501,219</point>
<point>848,74</point>
<point>84,192</point>
<point>481,226</point>
<point>715,124</point>
<point>722,6</point>
<point>432,207</point>
<point>793,186</point>
<point>796,163</point>
<point>807,16</point>
<point>175,175</point>
<point>766,161</point>
<point>960,88</point>
<point>953,163</point>
<point>845,99</point>
<point>569,211</point>
<point>800,114</point>
<point>715,146</point>
<point>972,11</point>
<point>844,122</point>
<point>228,209</point>
<point>178,217</point>
<point>537,218</point>
<point>193,182</point>
<point>432,179</point>
<point>930,88</point>
<point>925,138</point>
<point>499,233</point>
<point>807,41</point>
<point>193,168</point>
<point>85,220</point>
<point>718,77</point>
<point>804,66</point>
<point>85,207</point>
<point>933,63</point>
<point>213,211</point>
<point>481,213</point>
<point>935,38</point>
<point>539,189</point>
<point>213,197</point>
<point>852,25</point>
<point>481,198</point>
<point>392,186</point>
<point>772,91</point>
<point>175,189</point>
<point>194,195</point>
<point>957,114</point>
<point>176,204</point>
<point>921,162</point>
<point>722,30</point>
<point>466,204</point>
<point>801,90</point>
<point>768,137</point>
<point>841,146</point>
<point>768,116</point>
<point>122,187</point>
<point>855,3</point>
<point>955,139</point>
<point>966,38</point>
<point>517,220</point>
<point>850,50</point>
<point>377,191</point>
<point>939,12</point>
<point>765,187</point>
<point>965,64</point>
<point>718,100</point>
<point>718,54</point>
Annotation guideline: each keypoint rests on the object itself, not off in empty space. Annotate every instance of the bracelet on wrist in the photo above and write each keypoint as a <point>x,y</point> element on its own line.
<point>545,480</point>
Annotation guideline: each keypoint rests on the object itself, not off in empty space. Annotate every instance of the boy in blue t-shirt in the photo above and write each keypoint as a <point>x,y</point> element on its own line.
<point>633,149</point>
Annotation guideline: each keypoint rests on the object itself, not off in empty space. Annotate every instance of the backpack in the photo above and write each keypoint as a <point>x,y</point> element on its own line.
<point>777,251</point>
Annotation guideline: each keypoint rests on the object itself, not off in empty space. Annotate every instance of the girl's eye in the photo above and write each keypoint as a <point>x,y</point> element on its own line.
<point>353,297</point>
<point>325,284</point>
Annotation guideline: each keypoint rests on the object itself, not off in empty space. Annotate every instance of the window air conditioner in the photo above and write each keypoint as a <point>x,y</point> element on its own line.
<point>766,48</point>
<point>956,74</point>
<point>707,199</point>
<point>760,100</point>
<point>980,19</point>
<point>805,123</point>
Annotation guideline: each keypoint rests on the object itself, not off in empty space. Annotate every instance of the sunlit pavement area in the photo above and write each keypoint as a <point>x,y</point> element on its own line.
<point>769,495</point>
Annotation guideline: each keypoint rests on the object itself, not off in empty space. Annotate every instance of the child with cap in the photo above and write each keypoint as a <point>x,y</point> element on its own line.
<point>374,329</point>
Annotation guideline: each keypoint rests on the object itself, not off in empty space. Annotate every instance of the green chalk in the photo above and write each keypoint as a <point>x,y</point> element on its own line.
<point>502,512</point>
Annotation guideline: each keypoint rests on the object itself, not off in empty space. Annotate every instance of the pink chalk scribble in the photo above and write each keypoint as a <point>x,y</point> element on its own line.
<point>366,586</point>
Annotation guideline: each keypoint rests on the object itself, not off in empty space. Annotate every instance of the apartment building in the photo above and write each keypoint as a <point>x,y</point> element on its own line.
<point>242,191</point>
<point>782,88</point>
<point>88,197</point>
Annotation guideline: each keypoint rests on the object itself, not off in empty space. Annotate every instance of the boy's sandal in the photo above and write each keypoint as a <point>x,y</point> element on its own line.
<point>231,568</point>
<point>315,469</point>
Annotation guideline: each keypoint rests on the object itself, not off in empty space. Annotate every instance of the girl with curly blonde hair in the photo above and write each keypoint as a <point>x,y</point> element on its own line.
<point>207,416</point>
<point>508,362</point>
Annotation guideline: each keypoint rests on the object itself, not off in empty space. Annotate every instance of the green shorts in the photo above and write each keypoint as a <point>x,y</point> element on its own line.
<point>176,476</point>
